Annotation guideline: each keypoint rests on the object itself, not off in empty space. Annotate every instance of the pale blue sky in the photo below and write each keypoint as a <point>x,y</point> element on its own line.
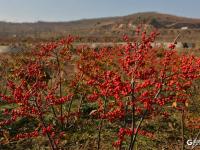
<point>66,10</point>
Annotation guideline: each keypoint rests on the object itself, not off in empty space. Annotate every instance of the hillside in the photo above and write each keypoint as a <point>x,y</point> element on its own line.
<point>107,29</point>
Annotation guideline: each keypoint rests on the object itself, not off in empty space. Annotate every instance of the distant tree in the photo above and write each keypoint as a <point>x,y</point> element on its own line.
<point>154,22</point>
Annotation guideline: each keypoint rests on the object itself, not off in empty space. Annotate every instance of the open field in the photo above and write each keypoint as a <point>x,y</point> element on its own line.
<point>109,29</point>
<point>72,95</point>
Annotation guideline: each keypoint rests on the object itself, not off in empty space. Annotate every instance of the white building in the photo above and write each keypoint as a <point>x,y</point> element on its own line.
<point>184,28</point>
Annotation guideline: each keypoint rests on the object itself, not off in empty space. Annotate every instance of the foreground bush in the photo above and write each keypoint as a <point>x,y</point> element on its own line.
<point>118,87</point>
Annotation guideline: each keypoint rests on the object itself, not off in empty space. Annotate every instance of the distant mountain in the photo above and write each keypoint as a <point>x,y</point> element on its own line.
<point>111,27</point>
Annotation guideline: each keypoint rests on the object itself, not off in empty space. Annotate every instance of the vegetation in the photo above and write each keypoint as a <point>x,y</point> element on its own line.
<point>133,96</point>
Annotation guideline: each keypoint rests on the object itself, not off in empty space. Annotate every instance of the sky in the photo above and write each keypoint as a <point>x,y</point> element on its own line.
<point>68,10</point>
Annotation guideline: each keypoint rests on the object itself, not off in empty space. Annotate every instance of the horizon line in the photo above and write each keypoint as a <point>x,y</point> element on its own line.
<point>92,18</point>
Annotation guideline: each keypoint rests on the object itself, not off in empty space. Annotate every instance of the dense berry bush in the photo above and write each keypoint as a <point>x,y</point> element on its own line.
<point>57,85</point>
